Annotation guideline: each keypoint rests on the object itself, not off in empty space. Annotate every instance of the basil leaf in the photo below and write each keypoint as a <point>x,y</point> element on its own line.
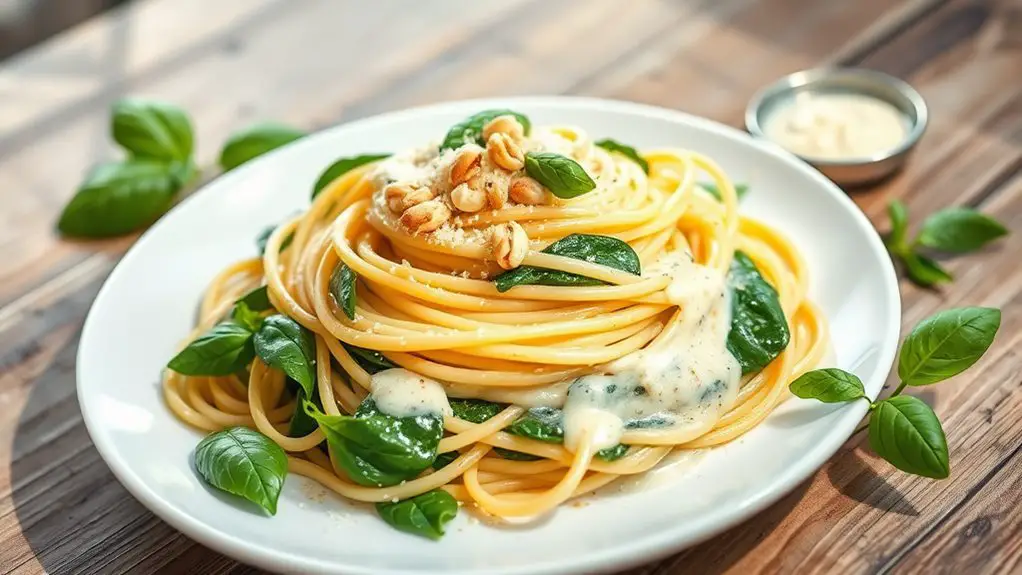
<point>759,330</point>
<point>223,350</point>
<point>302,423</point>
<point>613,453</point>
<point>541,424</point>
<point>369,359</point>
<point>444,459</point>
<point>254,141</point>
<point>626,151</point>
<point>119,197</point>
<point>603,250</point>
<point>959,230</point>
<point>830,385</point>
<point>246,316</point>
<point>905,431</point>
<point>283,343</point>
<point>245,463</point>
<point>923,270</point>
<point>564,177</point>
<point>341,167</point>
<point>151,129</point>
<point>264,237</point>
<point>898,214</point>
<point>475,410</point>
<point>947,344</point>
<point>342,287</point>
<point>376,449</point>
<point>257,299</point>
<point>711,188</point>
<point>424,515</point>
<point>470,130</point>
<point>515,455</point>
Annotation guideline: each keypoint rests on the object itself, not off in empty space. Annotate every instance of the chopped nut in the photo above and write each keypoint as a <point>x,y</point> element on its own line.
<point>506,124</point>
<point>467,197</point>
<point>425,217</point>
<point>510,245</point>
<point>465,167</point>
<point>496,192</point>
<point>505,152</point>
<point>400,197</point>
<point>525,190</point>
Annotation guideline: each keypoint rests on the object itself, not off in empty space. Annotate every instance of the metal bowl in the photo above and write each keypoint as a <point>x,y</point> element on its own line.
<point>851,171</point>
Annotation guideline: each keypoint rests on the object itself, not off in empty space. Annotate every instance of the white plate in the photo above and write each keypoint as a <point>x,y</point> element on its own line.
<point>149,301</point>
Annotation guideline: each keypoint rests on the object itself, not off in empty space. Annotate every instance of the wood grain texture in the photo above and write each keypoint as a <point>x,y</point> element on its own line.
<point>314,63</point>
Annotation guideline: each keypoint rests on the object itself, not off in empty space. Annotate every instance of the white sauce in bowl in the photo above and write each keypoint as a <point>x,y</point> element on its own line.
<point>832,126</point>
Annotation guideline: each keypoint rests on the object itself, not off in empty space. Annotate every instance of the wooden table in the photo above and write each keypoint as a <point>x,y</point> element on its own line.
<point>316,63</point>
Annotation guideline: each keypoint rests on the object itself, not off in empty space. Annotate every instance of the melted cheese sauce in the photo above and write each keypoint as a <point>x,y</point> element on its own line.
<point>401,393</point>
<point>686,380</point>
<point>836,126</point>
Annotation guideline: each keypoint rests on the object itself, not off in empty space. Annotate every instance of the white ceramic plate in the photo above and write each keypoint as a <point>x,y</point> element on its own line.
<point>149,301</point>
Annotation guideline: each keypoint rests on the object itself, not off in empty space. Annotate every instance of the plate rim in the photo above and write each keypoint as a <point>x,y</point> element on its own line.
<point>625,555</point>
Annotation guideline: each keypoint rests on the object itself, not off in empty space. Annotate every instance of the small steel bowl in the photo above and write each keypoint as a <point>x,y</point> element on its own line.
<point>852,171</point>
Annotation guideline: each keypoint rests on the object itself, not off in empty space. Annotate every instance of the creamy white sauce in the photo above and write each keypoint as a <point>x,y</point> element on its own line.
<point>688,379</point>
<point>836,126</point>
<point>402,393</point>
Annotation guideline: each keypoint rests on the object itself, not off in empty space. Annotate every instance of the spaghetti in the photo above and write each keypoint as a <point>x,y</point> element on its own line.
<point>427,301</point>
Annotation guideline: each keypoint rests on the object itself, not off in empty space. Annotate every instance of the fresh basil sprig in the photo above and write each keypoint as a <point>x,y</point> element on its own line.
<point>470,130</point>
<point>759,329</point>
<point>425,515</point>
<point>903,429</point>
<point>377,449</point>
<point>564,177</point>
<point>255,140</point>
<point>245,463</point>
<point>952,230</point>
<point>626,151</point>
<point>341,167</point>
<point>283,343</point>
<point>603,250</point>
<point>123,196</point>
<point>342,287</point>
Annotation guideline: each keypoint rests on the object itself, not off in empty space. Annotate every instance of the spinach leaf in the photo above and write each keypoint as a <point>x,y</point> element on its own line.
<point>341,167</point>
<point>120,197</point>
<point>947,344</point>
<point>283,343</point>
<point>302,423</point>
<point>830,385</point>
<point>342,287</point>
<point>257,299</point>
<point>564,177</point>
<point>369,359</point>
<point>759,330</point>
<point>151,129</point>
<point>424,515</point>
<point>539,423</point>
<point>254,141</point>
<point>377,449</point>
<point>475,410</point>
<point>444,459</point>
<point>223,350</point>
<point>959,230</point>
<point>905,431</point>
<point>264,237</point>
<point>603,250</point>
<point>711,188</point>
<point>245,463</point>
<point>626,151</point>
<point>470,130</point>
